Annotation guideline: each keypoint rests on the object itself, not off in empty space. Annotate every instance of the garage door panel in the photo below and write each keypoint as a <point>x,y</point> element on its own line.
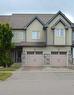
<point>39,59</point>
<point>58,59</point>
<point>35,59</point>
<point>30,59</point>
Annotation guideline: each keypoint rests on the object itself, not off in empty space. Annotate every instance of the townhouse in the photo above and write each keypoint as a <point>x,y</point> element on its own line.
<point>41,39</point>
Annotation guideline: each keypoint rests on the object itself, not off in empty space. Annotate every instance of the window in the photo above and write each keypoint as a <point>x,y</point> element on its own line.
<point>39,52</point>
<point>57,52</point>
<point>18,36</point>
<point>30,52</point>
<point>35,35</point>
<point>63,53</point>
<point>54,52</point>
<point>59,32</point>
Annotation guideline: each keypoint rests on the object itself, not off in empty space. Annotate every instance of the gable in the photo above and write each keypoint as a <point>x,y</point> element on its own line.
<point>33,20</point>
<point>60,25</point>
<point>35,25</point>
<point>60,21</point>
<point>58,16</point>
<point>56,19</point>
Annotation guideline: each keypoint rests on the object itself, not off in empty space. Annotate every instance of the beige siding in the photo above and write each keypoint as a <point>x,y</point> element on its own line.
<point>50,33</point>
<point>35,26</point>
<point>50,36</point>
<point>59,40</point>
<point>69,37</point>
<point>18,36</point>
<point>57,18</point>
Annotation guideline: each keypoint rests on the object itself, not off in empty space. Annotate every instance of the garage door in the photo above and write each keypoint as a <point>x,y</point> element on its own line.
<point>35,58</point>
<point>58,58</point>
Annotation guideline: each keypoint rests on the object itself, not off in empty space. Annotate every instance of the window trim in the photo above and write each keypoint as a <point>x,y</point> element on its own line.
<point>37,36</point>
<point>58,32</point>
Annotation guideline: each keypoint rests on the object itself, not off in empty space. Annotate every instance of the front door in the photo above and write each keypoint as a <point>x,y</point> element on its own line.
<point>16,55</point>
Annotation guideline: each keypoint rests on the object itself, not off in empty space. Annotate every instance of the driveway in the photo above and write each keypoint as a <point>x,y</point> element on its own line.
<point>47,81</point>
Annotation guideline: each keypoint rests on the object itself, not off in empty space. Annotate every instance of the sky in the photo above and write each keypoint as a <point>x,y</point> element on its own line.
<point>37,6</point>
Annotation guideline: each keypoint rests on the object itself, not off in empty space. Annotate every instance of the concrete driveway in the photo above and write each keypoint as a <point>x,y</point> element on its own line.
<point>39,82</point>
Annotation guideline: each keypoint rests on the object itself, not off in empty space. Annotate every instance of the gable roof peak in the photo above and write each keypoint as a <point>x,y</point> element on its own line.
<point>60,20</point>
<point>35,18</point>
<point>59,12</point>
<point>63,15</point>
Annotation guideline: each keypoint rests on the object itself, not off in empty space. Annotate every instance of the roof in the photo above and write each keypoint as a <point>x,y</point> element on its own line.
<point>5,19</point>
<point>60,20</point>
<point>35,18</point>
<point>59,13</point>
<point>72,25</point>
<point>20,21</point>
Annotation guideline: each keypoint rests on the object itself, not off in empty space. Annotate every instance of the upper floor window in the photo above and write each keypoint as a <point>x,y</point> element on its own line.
<point>59,32</point>
<point>35,35</point>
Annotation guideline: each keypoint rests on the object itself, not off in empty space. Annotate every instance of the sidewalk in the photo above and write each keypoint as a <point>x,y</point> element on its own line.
<point>46,69</point>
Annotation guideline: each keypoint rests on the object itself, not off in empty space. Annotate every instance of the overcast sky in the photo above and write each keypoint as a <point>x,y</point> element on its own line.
<point>37,6</point>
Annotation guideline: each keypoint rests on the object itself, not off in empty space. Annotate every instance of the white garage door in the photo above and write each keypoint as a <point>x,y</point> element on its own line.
<point>35,58</point>
<point>58,58</point>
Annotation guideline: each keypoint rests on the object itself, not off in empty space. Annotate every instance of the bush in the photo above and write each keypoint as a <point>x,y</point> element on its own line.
<point>8,61</point>
<point>5,45</point>
<point>5,60</point>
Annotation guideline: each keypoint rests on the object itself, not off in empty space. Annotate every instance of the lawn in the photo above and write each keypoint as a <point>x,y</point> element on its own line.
<point>7,72</point>
<point>4,75</point>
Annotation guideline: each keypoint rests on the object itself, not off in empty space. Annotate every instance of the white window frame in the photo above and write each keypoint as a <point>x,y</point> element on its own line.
<point>73,52</point>
<point>60,32</point>
<point>36,35</point>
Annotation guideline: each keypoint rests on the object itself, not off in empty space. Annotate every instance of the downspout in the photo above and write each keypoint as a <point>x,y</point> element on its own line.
<point>45,30</point>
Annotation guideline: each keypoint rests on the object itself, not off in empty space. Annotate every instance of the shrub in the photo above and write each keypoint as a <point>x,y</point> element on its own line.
<point>5,45</point>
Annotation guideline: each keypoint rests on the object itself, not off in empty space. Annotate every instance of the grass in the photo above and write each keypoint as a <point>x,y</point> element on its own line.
<point>7,72</point>
<point>4,75</point>
<point>12,68</point>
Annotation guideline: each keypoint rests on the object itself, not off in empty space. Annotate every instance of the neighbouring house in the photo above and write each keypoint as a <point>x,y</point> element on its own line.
<point>41,39</point>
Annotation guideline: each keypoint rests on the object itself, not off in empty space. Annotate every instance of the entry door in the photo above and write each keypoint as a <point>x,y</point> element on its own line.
<point>16,54</point>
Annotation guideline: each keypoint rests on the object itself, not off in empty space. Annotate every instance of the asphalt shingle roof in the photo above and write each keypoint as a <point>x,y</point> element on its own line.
<point>19,21</point>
